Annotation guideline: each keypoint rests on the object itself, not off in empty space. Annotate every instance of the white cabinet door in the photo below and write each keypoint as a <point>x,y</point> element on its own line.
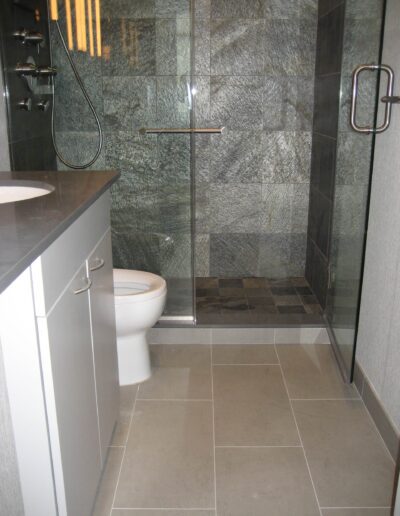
<point>67,359</point>
<point>101,296</point>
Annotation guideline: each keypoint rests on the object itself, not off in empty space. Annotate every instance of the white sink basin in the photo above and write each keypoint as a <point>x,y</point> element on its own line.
<point>21,190</point>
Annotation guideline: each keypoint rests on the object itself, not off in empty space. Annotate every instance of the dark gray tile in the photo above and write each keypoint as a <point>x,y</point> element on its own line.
<point>130,8</point>
<point>135,156</point>
<point>233,254</point>
<point>173,8</point>
<point>202,149</point>
<point>201,102</point>
<point>281,10</point>
<point>202,254</point>
<point>72,112</point>
<point>173,105</point>
<point>327,91</point>
<point>175,209</point>
<point>202,8</point>
<point>323,164</point>
<point>230,283</point>
<point>361,42</point>
<point>176,262</point>
<point>320,220</point>
<point>237,9</point>
<point>129,103</point>
<point>365,9</point>
<point>173,44</point>
<point>330,42</point>
<point>203,208</point>
<point>282,255</point>
<point>236,47</point>
<point>288,157</point>
<point>235,208</point>
<point>237,157</point>
<point>202,46</point>
<point>174,158</point>
<point>289,47</point>
<point>129,47</point>
<point>291,309</point>
<point>236,102</point>
<point>317,272</point>
<point>76,147</point>
<point>288,103</point>
<point>353,159</point>
<point>325,6</point>
<point>285,208</point>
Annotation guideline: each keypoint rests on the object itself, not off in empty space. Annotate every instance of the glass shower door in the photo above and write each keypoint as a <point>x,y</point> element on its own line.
<point>151,207</point>
<point>354,160</point>
<point>139,78</point>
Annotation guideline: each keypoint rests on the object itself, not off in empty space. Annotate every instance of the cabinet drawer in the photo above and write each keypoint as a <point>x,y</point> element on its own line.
<point>53,270</point>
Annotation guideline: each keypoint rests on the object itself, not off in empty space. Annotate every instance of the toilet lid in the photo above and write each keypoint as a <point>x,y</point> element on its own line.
<point>132,286</point>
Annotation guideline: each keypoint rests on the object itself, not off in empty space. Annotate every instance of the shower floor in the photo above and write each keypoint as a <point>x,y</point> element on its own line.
<point>256,301</point>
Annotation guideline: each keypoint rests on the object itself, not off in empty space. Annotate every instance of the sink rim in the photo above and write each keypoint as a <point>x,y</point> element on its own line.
<point>26,183</point>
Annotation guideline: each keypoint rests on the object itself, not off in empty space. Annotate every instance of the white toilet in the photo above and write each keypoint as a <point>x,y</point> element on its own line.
<point>139,302</point>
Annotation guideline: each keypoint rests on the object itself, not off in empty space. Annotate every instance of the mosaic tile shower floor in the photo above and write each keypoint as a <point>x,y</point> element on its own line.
<point>256,301</point>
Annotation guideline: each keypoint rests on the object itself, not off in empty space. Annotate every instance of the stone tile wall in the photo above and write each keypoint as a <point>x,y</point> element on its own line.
<point>254,66</point>
<point>253,73</point>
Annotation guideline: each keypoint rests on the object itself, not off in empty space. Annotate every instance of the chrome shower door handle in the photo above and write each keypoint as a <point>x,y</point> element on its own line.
<point>389,93</point>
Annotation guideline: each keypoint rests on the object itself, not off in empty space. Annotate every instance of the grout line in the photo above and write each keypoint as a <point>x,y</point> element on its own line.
<point>123,455</point>
<point>298,431</point>
<point>259,446</point>
<point>325,399</point>
<point>259,364</point>
<point>163,509</point>
<point>175,399</point>
<point>340,508</point>
<point>213,429</point>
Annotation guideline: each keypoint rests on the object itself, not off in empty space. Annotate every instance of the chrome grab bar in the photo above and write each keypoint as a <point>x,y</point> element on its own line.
<point>177,130</point>
<point>389,94</point>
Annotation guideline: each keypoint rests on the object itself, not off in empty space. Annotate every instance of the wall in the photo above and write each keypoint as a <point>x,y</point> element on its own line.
<point>324,142</point>
<point>255,69</point>
<point>253,73</point>
<point>10,491</point>
<point>29,131</point>
<point>379,332</point>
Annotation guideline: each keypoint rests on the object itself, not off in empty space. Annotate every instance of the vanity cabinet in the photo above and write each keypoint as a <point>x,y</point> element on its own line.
<point>64,367</point>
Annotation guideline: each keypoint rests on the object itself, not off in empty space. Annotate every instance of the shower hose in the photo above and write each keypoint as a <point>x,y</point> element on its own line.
<point>92,108</point>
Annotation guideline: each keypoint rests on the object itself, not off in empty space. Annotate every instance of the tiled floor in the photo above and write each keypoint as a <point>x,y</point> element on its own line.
<point>255,430</point>
<point>256,301</point>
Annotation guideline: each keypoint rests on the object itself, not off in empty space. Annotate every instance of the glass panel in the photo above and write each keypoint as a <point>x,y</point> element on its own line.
<point>142,79</point>
<point>354,154</point>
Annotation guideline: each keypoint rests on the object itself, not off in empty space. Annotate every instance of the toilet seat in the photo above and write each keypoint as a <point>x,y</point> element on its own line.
<point>137,286</point>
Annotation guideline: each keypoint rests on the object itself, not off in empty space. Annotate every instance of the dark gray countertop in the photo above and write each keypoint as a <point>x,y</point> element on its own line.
<point>28,227</point>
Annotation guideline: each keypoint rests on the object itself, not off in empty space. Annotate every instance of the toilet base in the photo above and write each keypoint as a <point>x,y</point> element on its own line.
<point>133,358</point>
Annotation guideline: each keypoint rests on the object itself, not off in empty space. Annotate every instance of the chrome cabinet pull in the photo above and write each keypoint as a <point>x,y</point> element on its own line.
<point>177,130</point>
<point>88,282</point>
<point>100,264</point>
<point>389,94</point>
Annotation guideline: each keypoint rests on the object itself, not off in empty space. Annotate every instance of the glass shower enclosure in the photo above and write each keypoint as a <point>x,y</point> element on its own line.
<point>362,41</point>
<point>142,88</point>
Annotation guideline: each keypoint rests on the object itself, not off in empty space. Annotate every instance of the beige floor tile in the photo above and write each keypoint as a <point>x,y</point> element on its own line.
<point>310,371</point>
<point>244,354</point>
<point>127,395</point>
<point>179,372</point>
<point>254,382</point>
<point>349,464</point>
<point>108,483</point>
<point>168,512</point>
<point>251,407</point>
<point>169,457</point>
<point>356,512</point>
<point>263,481</point>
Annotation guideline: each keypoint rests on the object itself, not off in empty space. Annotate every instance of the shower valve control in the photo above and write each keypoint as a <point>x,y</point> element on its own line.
<point>25,104</point>
<point>43,105</point>
<point>29,36</point>
<point>46,71</point>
